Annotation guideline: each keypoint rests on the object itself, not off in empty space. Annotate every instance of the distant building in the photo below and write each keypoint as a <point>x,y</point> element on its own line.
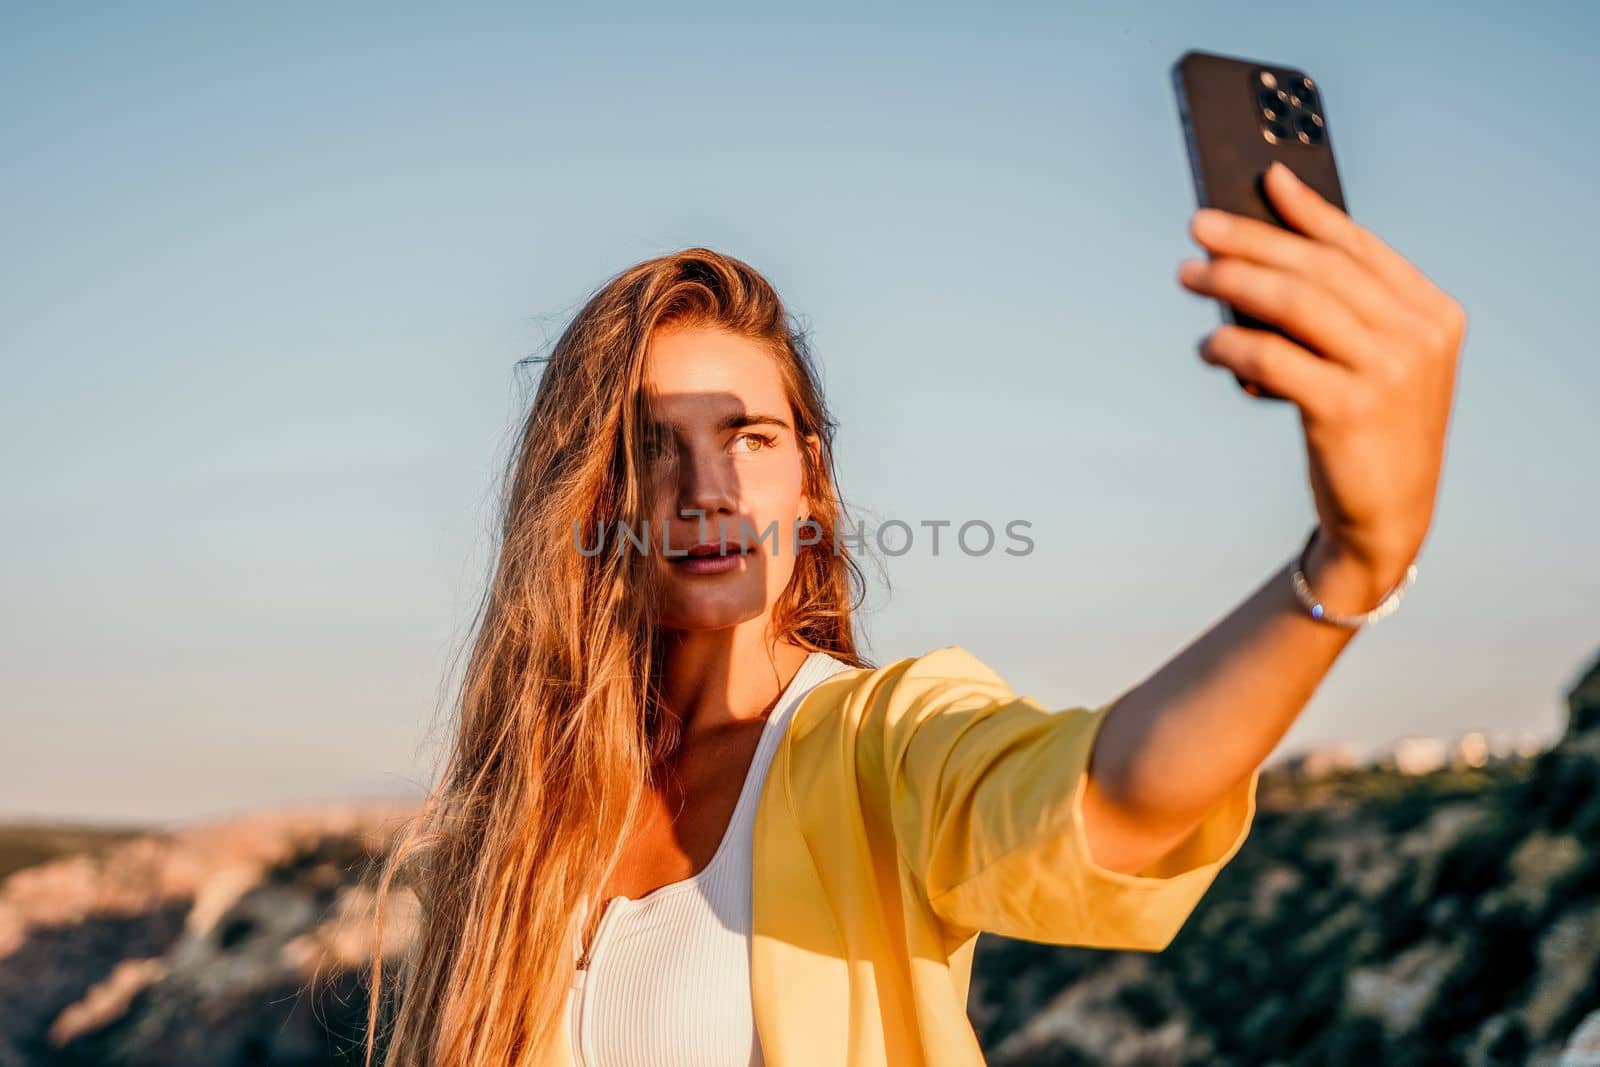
<point>1323,761</point>
<point>1470,750</point>
<point>1502,745</point>
<point>1418,755</point>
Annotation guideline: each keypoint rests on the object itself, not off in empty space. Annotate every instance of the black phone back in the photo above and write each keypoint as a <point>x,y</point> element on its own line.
<point>1240,115</point>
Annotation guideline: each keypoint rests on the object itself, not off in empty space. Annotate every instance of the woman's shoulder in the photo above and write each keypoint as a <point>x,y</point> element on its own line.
<point>940,676</point>
<point>945,663</point>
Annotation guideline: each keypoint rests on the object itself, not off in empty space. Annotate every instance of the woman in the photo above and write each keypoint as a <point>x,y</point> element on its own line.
<point>684,822</point>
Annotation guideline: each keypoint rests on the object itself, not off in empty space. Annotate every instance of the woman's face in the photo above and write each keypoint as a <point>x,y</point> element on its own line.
<point>723,447</point>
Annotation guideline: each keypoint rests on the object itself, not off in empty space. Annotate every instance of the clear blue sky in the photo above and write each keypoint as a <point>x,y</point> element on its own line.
<point>268,271</point>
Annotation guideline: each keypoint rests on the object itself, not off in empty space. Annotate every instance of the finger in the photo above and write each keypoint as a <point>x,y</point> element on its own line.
<point>1287,300</point>
<point>1225,234</point>
<point>1312,214</point>
<point>1279,364</point>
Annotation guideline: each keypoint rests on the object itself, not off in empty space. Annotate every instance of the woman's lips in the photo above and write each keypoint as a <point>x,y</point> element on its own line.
<point>712,564</point>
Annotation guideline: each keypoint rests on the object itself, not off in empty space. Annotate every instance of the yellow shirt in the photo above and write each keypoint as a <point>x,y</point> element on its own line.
<point>909,807</point>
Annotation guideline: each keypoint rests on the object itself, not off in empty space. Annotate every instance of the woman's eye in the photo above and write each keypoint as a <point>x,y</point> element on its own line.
<point>761,441</point>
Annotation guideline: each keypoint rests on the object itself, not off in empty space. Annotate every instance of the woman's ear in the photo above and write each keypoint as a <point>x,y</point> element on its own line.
<point>813,445</point>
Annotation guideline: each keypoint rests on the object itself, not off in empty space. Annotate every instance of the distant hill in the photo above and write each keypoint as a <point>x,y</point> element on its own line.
<point>1371,918</point>
<point>26,844</point>
<point>197,948</point>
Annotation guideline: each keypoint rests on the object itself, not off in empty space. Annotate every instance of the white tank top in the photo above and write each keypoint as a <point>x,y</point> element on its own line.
<point>668,977</point>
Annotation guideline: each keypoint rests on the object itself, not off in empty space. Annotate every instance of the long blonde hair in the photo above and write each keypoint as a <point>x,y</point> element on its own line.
<point>555,731</point>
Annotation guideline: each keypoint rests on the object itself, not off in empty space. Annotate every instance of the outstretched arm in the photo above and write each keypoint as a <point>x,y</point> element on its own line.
<point>1373,378</point>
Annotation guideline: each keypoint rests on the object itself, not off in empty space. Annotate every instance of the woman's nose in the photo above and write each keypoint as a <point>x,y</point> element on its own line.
<point>710,488</point>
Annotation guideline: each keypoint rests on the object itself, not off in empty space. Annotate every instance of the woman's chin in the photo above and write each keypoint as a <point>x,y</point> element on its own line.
<point>703,613</point>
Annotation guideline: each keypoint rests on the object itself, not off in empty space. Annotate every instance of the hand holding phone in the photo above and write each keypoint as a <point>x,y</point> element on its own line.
<point>1239,117</point>
<point>1324,314</point>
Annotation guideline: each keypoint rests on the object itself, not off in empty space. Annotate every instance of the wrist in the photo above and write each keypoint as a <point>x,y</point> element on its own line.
<point>1379,572</point>
<point>1346,583</point>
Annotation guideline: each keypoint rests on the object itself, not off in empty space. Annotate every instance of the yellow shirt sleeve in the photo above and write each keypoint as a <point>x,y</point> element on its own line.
<point>984,790</point>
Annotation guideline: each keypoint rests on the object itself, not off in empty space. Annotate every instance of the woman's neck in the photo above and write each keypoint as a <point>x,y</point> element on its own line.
<point>712,680</point>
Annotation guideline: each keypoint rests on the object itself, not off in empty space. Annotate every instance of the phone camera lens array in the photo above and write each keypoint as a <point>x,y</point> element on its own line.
<point>1289,108</point>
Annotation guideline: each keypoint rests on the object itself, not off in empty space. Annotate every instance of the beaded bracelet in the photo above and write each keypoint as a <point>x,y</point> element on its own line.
<point>1313,606</point>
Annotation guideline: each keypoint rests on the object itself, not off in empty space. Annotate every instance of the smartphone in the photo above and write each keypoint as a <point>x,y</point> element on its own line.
<point>1238,116</point>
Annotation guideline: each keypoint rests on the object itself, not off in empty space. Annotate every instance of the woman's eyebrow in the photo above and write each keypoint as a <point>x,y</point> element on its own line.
<point>750,418</point>
<point>736,421</point>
